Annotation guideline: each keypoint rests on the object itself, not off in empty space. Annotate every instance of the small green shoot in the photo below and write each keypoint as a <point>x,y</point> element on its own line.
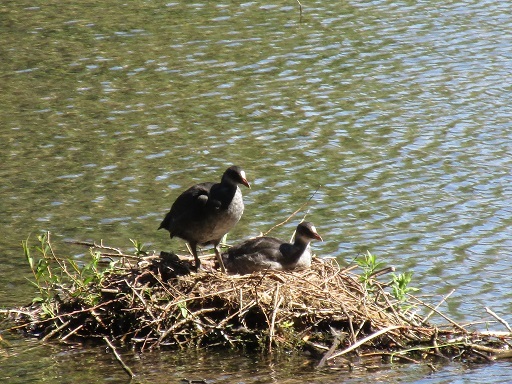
<point>369,265</point>
<point>183,309</point>
<point>139,247</point>
<point>40,267</point>
<point>400,286</point>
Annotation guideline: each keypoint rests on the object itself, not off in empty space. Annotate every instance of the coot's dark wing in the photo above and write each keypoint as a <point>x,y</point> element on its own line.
<point>220,196</point>
<point>253,255</point>
<point>263,245</point>
<point>291,254</point>
<point>188,207</point>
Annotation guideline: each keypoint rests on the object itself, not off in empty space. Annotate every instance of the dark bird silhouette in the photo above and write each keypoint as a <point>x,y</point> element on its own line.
<point>261,253</point>
<point>205,212</point>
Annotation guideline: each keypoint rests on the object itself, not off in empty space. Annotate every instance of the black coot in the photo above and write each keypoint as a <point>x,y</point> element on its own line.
<point>263,253</point>
<point>205,212</point>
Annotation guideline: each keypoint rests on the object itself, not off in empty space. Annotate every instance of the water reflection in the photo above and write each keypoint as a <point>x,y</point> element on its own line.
<point>33,361</point>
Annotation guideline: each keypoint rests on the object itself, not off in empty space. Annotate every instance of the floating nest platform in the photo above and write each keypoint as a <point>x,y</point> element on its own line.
<point>154,301</point>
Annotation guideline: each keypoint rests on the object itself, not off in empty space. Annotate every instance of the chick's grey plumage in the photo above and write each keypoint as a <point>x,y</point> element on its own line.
<point>205,212</point>
<point>263,253</point>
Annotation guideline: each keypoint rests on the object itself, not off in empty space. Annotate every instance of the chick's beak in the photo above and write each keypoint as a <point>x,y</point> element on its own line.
<point>318,237</point>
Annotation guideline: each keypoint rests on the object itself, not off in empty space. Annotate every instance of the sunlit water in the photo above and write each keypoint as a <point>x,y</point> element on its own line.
<point>394,117</point>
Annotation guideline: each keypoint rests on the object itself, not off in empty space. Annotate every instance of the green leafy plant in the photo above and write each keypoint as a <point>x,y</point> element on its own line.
<point>44,277</point>
<point>368,263</point>
<point>400,286</point>
<point>400,283</point>
<point>139,247</point>
<point>51,274</point>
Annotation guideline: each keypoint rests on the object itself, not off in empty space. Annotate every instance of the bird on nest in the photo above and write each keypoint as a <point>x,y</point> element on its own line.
<point>205,212</point>
<point>262,253</point>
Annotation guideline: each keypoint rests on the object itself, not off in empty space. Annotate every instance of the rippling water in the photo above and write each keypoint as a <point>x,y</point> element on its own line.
<point>55,363</point>
<point>394,116</point>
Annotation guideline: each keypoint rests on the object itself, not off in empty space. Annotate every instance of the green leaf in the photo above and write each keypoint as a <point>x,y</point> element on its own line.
<point>183,309</point>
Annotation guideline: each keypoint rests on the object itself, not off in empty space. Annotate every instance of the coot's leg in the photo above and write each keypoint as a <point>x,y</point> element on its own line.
<point>193,247</point>
<point>218,256</point>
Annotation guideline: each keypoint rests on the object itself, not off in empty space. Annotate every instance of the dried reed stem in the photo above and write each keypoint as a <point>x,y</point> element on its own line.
<point>118,357</point>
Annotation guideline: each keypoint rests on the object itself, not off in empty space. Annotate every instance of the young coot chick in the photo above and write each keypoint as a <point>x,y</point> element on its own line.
<point>263,253</point>
<point>205,212</point>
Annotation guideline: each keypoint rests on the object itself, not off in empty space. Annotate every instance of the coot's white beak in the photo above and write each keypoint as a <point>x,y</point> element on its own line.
<point>244,180</point>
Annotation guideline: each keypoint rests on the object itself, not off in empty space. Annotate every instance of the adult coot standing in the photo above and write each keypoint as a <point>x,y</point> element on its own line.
<point>205,212</point>
<point>261,253</point>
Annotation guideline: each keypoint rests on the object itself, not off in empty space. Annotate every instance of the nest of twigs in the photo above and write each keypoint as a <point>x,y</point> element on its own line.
<point>154,301</point>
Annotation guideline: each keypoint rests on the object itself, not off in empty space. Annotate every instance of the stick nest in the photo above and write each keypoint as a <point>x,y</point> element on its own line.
<point>154,301</point>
